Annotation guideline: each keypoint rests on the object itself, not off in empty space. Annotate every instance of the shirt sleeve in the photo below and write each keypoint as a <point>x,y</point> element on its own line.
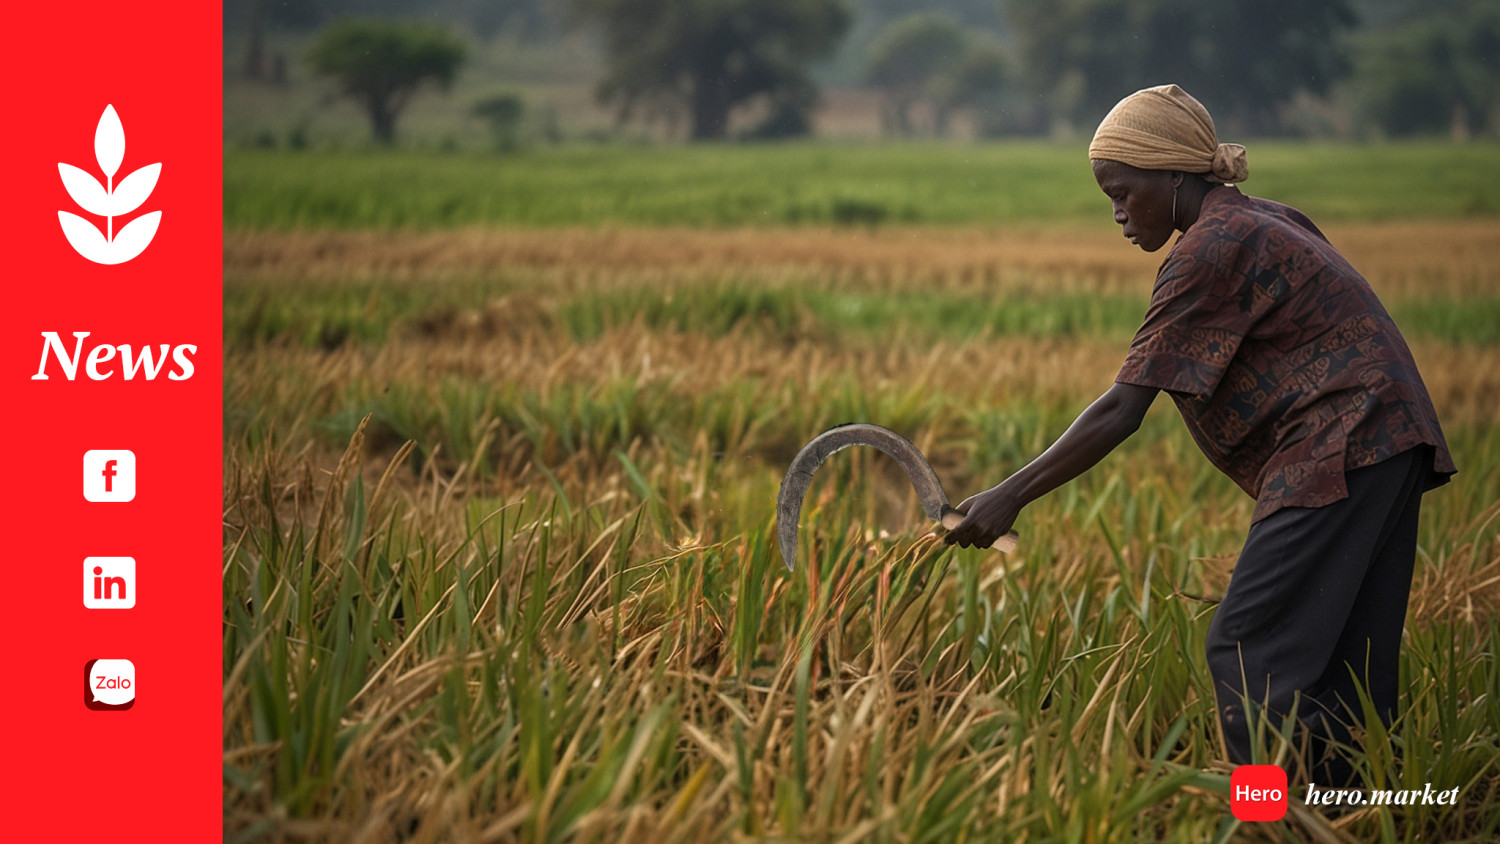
<point>1192,330</point>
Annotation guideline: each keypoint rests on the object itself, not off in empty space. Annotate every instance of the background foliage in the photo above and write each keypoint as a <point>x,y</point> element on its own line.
<point>1325,68</point>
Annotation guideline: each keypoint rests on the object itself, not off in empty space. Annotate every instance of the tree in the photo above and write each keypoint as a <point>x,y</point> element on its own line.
<point>1434,73</point>
<point>976,82</point>
<point>709,57</point>
<point>382,63</point>
<point>907,60</point>
<point>1244,60</point>
<point>502,113</point>
<point>1255,56</point>
<point>933,59</point>
<point>257,18</point>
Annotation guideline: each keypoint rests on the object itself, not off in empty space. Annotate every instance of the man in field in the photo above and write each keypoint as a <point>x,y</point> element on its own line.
<point>1295,382</point>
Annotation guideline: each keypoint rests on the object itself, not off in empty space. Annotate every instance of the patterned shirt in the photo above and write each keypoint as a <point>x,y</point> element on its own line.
<point>1285,366</point>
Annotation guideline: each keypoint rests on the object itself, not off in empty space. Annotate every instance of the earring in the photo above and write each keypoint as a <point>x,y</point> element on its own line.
<point>1174,206</point>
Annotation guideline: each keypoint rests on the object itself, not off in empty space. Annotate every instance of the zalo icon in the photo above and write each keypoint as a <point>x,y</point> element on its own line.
<point>109,684</point>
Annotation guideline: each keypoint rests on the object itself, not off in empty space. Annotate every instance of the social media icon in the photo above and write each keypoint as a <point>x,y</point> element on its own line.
<point>109,684</point>
<point>109,475</point>
<point>1258,792</point>
<point>109,583</point>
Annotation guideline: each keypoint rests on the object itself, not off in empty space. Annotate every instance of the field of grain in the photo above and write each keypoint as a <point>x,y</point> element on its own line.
<point>500,556</point>
<point>814,184</point>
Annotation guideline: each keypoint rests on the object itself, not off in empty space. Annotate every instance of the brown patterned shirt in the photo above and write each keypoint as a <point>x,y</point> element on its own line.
<point>1285,366</point>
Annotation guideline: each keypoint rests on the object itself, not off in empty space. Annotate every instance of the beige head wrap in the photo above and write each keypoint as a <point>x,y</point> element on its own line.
<point>1164,128</point>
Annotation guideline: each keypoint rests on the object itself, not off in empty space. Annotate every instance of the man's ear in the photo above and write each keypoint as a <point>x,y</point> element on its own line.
<point>1177,176</point>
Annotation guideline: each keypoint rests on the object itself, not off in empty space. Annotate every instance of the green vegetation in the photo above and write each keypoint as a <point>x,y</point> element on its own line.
<point>325,317</point>
<point>813,184</point>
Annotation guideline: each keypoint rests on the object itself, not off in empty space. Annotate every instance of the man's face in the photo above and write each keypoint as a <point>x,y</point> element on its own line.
<point>1142,201</point>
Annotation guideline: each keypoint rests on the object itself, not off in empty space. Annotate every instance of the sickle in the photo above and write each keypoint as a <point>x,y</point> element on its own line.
<point>799,476</point>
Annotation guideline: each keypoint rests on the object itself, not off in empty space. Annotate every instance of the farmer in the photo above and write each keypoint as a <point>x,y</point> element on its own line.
<point>1295,383</point>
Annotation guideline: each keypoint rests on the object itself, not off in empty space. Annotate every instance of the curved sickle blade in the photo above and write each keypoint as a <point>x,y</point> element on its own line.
<point>799,475</point>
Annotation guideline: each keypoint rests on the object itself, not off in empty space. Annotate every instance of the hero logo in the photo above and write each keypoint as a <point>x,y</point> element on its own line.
<point>100,363</point>
<point>109,200</point>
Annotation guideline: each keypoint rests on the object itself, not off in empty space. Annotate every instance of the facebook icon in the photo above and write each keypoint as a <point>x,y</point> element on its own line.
<point>109,475</point>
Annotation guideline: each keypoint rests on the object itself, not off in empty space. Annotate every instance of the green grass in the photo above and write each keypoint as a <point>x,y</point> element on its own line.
<point>813,184</point>
<point>328,316</point>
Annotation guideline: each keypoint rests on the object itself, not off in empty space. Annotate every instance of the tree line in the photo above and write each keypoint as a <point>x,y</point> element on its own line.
<point>1009,67</point>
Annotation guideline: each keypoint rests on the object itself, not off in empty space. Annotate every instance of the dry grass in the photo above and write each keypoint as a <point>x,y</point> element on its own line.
<point>1441,259</point>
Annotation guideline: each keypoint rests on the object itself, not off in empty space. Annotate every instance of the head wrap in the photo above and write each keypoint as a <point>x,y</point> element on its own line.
<point>1164,128</point>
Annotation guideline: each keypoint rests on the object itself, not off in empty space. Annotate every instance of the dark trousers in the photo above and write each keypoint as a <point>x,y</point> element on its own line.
<point>1318,599</point>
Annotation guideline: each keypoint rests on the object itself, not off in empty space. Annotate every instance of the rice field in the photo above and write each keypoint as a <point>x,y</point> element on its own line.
<point>500,559</point>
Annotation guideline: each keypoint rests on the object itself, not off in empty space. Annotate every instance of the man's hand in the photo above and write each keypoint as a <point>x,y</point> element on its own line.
<point>990,515</point>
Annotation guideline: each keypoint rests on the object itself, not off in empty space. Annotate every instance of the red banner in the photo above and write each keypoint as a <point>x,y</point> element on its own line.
<point>111,354</point>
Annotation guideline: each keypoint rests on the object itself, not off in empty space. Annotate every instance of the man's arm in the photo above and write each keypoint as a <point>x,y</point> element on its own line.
<point>1106,423</point>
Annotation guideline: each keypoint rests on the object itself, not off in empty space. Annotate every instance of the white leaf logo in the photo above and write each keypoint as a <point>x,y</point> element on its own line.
<point>109,200</point>
<point>85,189</point>
<point>109,142</point>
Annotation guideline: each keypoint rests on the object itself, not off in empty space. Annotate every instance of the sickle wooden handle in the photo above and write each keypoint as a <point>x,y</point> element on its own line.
<point>1005,544</point>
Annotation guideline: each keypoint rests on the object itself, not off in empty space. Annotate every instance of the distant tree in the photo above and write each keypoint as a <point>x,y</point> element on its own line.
<point>255,49</point>
<point>907,60</point>
<point>710,57</point>
<point>502,113</point>
<point>530,19</point>
<point>983,14</point>
<point>977,82</point>
<point>293,14</point>
<point>1433,74</point>
<point>1076,52</point>
<point>257,16</point>
<point>1244,60</point>
<point>1254,57</point>
<point>382,63</point>
<point>851,61</point>
<point>788,113</point>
